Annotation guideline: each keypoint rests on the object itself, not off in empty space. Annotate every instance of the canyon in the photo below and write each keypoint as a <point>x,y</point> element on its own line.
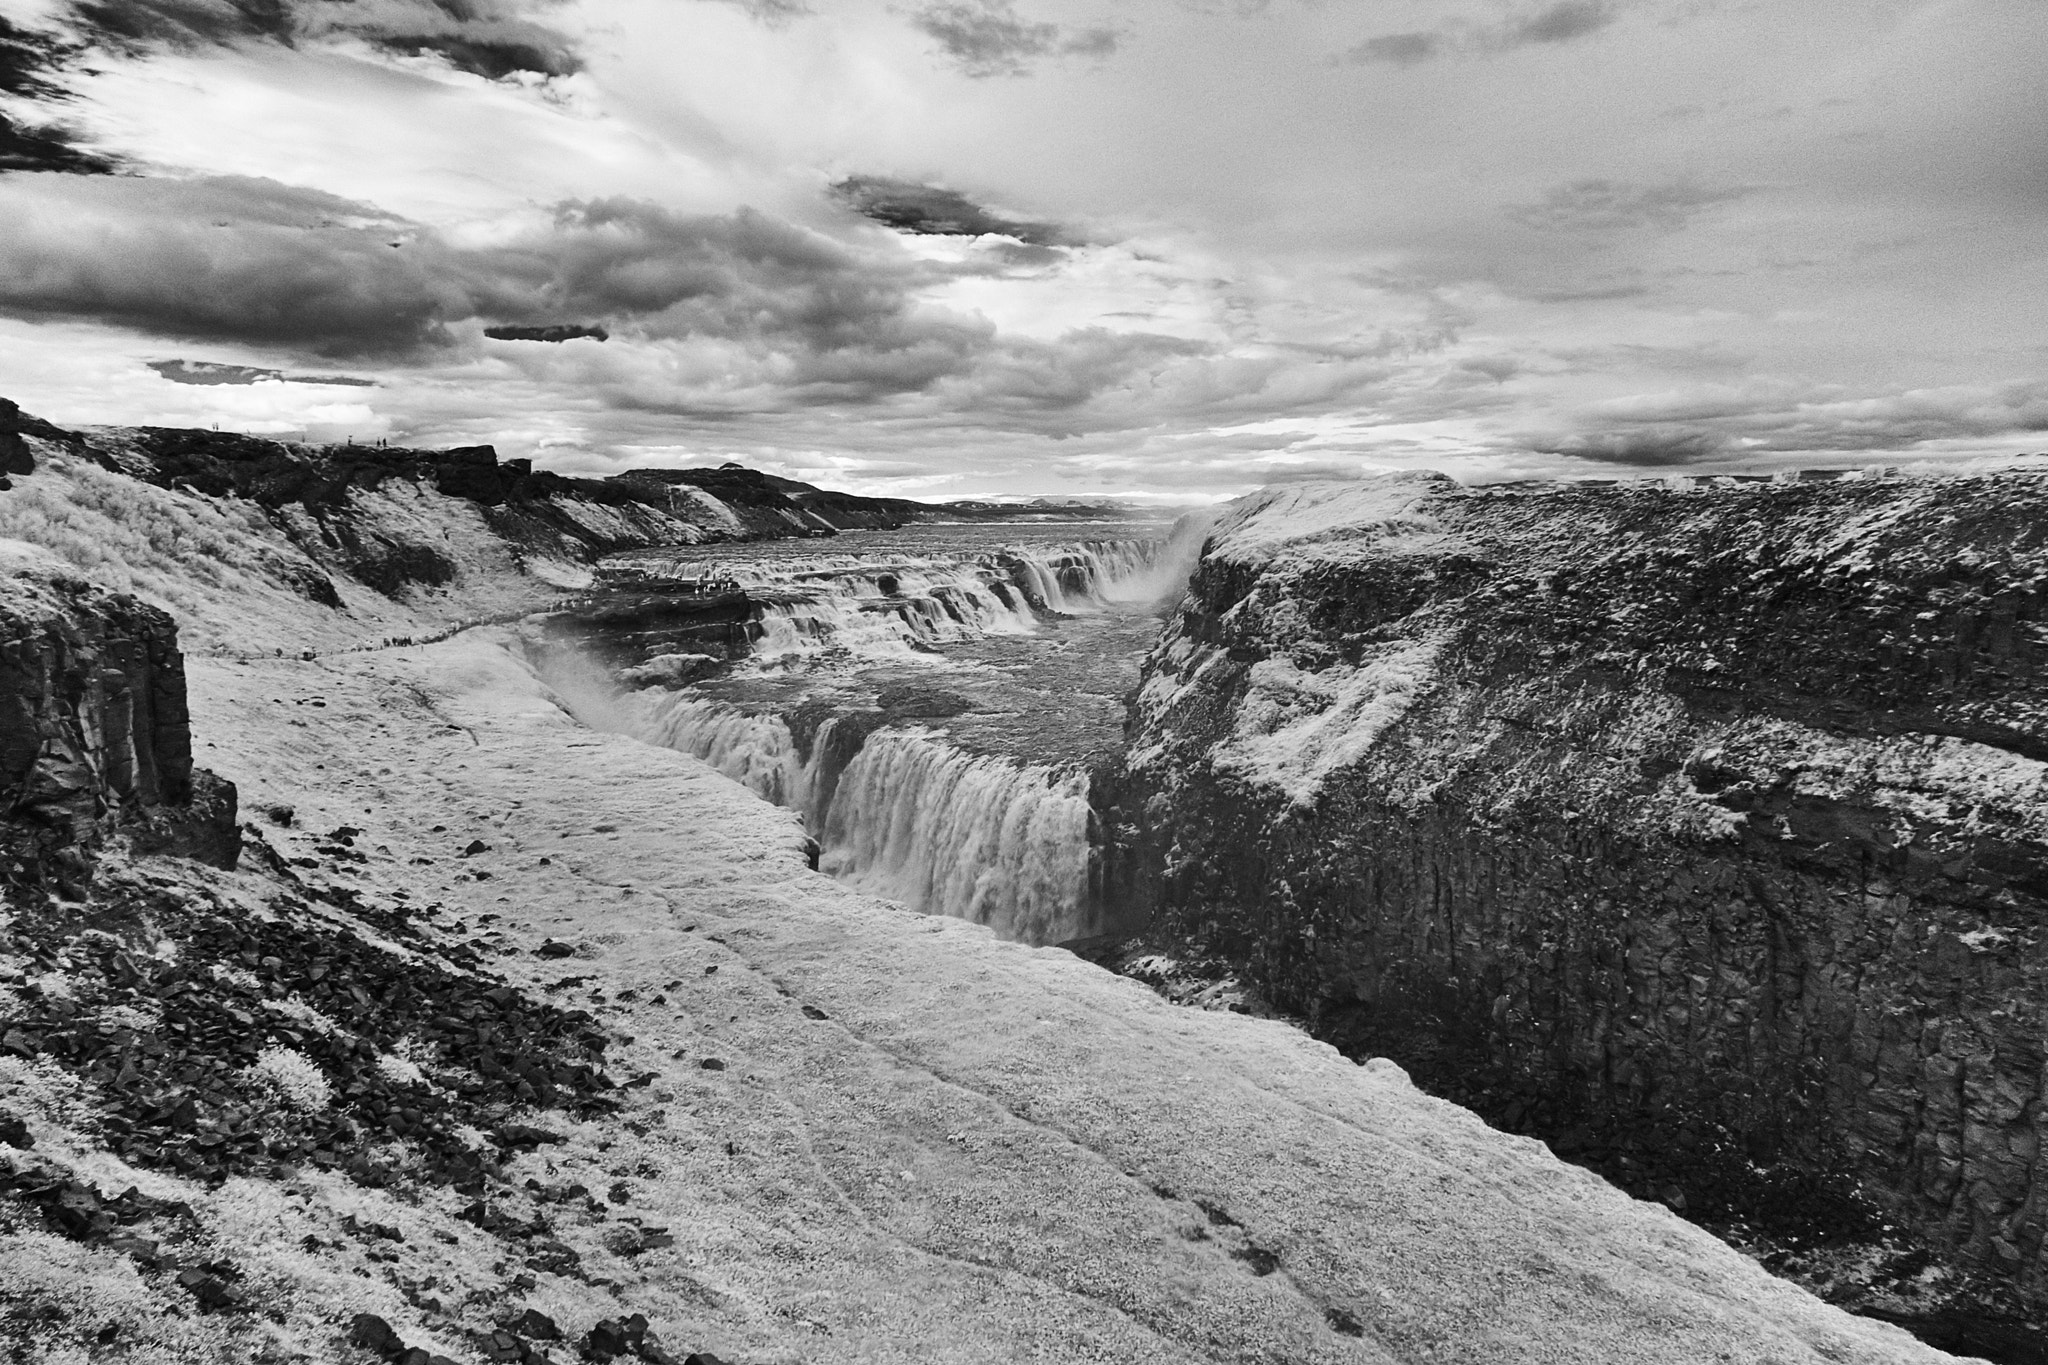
<point>1693,829</point>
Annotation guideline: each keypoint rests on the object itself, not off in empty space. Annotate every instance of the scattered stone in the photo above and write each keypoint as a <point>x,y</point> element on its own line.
<point>813,1012</point>
<point>14,1132</point>
<point>211,1290</point>
<point>712,970</point>
<point>369,1231</point>
<point>623,1239</point>
<point>712,1064</point>
<point>281,814</point>
<point>524,1136</point>
<point>555,948</point>
<point>475,847</point>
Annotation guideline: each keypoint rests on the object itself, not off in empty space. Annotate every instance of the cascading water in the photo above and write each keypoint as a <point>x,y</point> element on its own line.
<point>924,823</point>
<point>900,808</point>
<point>901,605</point>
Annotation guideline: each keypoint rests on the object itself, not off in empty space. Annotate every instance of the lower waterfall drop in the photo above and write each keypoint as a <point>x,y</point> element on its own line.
<point>918,821</point>
<point>911,817</point>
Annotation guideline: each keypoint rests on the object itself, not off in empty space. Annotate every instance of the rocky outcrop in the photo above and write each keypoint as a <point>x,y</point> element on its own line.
<point>1703,830</point>
<point>94,735</point>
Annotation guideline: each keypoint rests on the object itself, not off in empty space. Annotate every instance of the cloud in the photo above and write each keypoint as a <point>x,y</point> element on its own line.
<point>1766,419</point>
<point>208,374</point>
<point>773,13</point>
<point>1399,49</point>
<point>1613,206</point>
<point>930,210</point>
<point>490,38</point>
<point>989,38</point>
<point>28,61</point>
<point>1654,447</point>
<point>1565,21</point>
<point>223,258</point>
<point>554,331</point>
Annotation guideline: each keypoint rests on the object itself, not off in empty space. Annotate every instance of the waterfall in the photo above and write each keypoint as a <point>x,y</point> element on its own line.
<point>918,821</point>
<point>901,605</point>
<point>903,814</point>
<point>759,752</point>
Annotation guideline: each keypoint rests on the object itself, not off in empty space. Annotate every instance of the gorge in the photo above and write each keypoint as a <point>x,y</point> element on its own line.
<point>1693,828</point>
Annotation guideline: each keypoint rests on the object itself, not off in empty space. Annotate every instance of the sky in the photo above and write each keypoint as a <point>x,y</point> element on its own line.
<point>953,248</point>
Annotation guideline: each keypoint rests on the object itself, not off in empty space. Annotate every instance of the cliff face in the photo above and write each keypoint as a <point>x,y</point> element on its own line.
<point>94,735</point>
<point>1702,830</point>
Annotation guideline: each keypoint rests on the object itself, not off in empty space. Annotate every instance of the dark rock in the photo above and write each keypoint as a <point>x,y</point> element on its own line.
<point>281,814</point>
<point>212,1292</point>
<point>372,1333</point>
<point>95,737</point>
<point>15,456</point>
<point>555,948</point>
<point>606,1341</point>
<point>538,1325</point>
<point>475,847</point>
<point>813,1012</point>
<point>712,1064</point>
<point>14,1132</point>
<point>702,1358</point>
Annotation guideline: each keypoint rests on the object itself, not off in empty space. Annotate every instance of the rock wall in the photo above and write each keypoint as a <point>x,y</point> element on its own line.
<point>94,735</point>
<point>1703,830</point>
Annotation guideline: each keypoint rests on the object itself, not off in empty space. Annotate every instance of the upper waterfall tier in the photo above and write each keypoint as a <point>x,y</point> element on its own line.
<point>898,602</point>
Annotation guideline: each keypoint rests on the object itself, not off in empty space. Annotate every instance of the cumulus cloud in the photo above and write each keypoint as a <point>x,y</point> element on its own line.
<point>1564,21</point>
<point>491,38</point>
<point>1614,206</point>
<point>929,210</point>
<point>989,38</point>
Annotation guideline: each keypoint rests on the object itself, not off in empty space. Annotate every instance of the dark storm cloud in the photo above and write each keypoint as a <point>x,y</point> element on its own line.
<point>225,258</point>
<point>28,61</point>
<point>550,332</point>
<point>989,38</point>
<point>491,38</point>
<point>932,211</point>
<point>1563,22</point>
<point>1612,206</point>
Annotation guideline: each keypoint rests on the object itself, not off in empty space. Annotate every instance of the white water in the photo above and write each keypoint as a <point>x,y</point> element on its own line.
<point>898,606</point>
<point>921,822</point>
<point>756,751</point>
<point>998,841</point>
